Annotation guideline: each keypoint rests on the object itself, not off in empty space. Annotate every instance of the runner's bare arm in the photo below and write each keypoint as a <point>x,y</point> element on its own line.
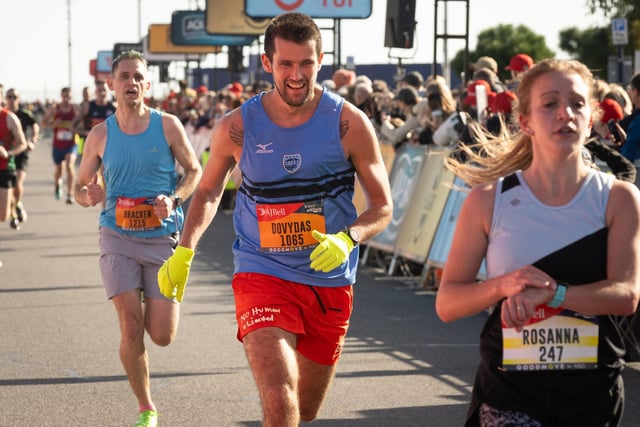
<point>20,141</point>
<point>226,148</point>
<point>184,154</point>
<point>362,148</point>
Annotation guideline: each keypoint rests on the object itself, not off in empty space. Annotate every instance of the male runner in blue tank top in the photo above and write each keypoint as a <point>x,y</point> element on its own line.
<point>137,147</point>
<point>296,252</point>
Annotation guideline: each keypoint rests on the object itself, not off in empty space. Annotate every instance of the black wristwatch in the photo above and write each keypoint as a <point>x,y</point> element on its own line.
<point>354,235</point>
<point>177,200</point>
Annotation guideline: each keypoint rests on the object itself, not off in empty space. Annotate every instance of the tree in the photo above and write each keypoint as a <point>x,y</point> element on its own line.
<point>501,43</point>
<point>629,9</point>
<point>612,8</point>
<point>587,47</point>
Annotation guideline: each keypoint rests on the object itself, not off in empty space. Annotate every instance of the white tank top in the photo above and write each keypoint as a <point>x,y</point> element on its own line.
<point>524,230</point>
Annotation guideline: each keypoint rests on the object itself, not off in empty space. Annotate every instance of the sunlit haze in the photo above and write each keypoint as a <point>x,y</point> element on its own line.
<point>34,53</point>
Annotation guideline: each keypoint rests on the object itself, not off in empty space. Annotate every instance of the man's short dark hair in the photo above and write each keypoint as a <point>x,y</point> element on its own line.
<point>295,27</point>
<point>635,81</point>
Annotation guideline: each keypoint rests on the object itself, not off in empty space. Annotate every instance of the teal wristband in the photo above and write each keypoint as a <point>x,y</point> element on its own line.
<point>558,298</point>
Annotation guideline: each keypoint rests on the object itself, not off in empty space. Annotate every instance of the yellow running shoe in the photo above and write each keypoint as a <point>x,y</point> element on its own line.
<point>147,419</point>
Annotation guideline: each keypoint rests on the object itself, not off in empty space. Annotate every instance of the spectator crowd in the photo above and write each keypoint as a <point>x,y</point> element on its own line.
<point>419,109</point>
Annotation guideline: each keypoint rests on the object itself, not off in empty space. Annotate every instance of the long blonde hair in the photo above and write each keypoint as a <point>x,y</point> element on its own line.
<point>491,156</point>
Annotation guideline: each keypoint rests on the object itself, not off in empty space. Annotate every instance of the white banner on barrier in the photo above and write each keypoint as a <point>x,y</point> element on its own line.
<point>427,203</point>
<point>441,245</point>
<point>404,175</point>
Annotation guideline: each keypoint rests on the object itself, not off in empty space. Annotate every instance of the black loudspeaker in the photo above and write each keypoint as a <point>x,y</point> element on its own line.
<point>400,23</point>
<point>235,59</point>
<point>163,71</point>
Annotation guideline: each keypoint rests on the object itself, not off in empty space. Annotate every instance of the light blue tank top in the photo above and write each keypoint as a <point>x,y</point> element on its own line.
<point>293,180</point>
<point>137,168</point>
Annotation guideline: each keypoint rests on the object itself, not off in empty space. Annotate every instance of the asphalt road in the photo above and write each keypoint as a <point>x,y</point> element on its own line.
<point>59,363</point>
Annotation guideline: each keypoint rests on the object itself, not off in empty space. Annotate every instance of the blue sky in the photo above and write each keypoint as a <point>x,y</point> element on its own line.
<point>34,53</point>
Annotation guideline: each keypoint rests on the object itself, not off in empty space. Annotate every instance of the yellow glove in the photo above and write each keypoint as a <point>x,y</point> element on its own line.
<point>332,252</point>
<point>174,273</point>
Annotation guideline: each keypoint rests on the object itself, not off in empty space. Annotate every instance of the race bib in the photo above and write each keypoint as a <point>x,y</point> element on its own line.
<point>287,227</point>
<point>553,339</point>
<point>136,214</point>
<point>64,135</point>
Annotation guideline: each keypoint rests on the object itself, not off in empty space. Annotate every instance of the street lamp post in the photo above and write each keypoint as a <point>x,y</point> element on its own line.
<point>139,19</point>
<point>69,39</point>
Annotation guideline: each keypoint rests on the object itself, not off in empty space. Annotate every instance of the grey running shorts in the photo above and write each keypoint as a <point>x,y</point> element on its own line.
<point>129,262</point>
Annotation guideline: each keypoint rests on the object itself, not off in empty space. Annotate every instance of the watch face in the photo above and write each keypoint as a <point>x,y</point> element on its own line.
<point>354,234</point>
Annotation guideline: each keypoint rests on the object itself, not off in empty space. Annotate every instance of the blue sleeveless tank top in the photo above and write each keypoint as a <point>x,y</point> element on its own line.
<point>136,169</point>
<point>293,180</point>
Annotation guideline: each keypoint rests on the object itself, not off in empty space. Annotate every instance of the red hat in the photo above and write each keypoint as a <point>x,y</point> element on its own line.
<point>502,102</point>
<point>203,89</point>
<point>519,62</point>
<point>236,88</point>
<point>611,110</point>
<point>470,99</point>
